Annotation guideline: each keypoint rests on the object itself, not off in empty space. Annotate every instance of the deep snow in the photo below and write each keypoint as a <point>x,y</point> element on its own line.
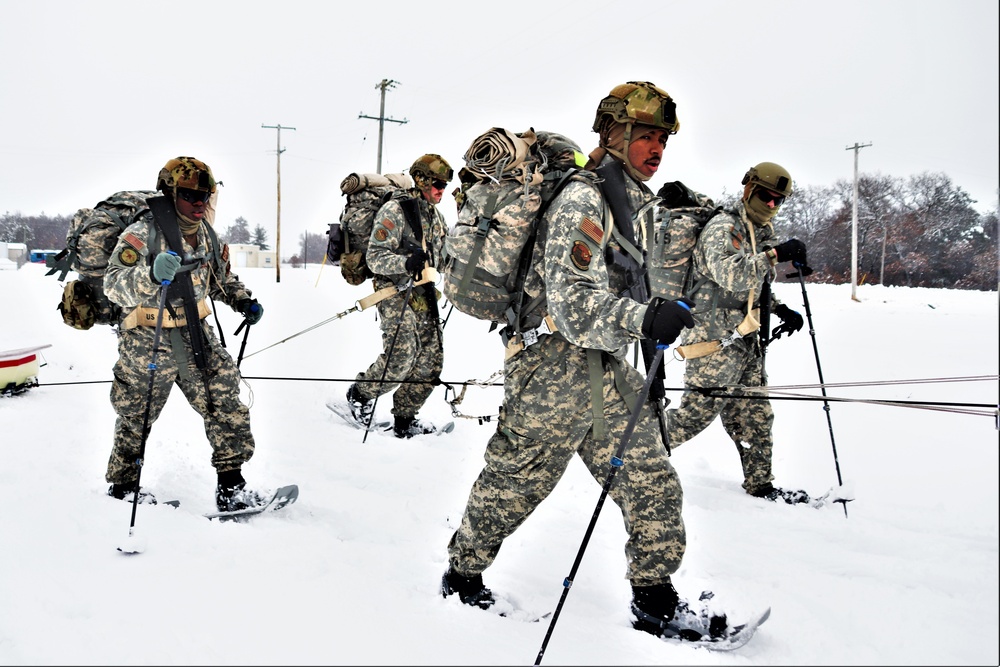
<point>350,573</point>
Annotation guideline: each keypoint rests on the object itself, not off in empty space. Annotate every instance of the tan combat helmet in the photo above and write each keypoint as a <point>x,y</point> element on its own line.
<point>772,176</point>
<point>430,167</point>
<point>185,172</point>
<point>638,102</point>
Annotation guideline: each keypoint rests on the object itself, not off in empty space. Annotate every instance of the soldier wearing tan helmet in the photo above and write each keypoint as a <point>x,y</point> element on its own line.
<point>569,389</point>
<point>406,245</point>
<point>176,249</point>
<point>734,262</point>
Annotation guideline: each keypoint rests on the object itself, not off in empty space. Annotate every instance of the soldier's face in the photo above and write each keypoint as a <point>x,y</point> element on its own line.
<point>191,203</point>
<point>434,191</point>
<point>645,149</point>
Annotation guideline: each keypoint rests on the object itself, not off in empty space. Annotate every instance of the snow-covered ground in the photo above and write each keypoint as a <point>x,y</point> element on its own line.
<point>350,573</point>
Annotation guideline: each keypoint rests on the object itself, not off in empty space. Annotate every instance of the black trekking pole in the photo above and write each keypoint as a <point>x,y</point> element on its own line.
<point>388,356</point>
<point>616,463</point>
<point>243,325</point>
<point>132,547</point>
<point>802,272</point>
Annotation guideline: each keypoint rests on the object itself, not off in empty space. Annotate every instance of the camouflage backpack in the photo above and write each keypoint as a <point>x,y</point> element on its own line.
<point>681,216</point>
<point>91,238</point>
<point>348,239</point>
<point>507,184</point>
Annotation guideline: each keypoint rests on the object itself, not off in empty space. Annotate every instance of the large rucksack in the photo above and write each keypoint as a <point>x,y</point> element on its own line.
<point>347,244</point>
<point>680,218</point>
<point>92,236</point>
<point>507,184</point>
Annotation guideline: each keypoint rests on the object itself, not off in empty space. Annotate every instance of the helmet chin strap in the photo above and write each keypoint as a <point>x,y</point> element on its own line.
<point>623,155</point>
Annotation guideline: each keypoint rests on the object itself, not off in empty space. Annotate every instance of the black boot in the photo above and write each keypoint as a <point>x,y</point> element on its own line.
<point>125,492</point>
<point>654,607</point>
<point>471,590</point>
<point>773,493</point>
<point>361,407</point>
<point>231,493</point>
<point>407,427</point>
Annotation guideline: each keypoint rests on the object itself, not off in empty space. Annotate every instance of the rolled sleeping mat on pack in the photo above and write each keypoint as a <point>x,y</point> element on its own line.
<point>497,152</point>
<point>356,182</point>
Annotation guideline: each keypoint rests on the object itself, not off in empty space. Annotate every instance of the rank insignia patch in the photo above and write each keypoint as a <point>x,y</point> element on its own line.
<point>128,256</point>
<point>581,255</point>
<point>134,241</point>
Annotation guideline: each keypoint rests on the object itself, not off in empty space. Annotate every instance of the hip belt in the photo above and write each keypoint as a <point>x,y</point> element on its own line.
<point>145,316</point>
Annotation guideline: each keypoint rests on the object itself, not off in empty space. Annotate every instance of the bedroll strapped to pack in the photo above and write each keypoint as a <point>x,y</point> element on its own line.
<point>348,239</point>
<point>508,182</point>
<point>680,218</point>
<point>92,235</point>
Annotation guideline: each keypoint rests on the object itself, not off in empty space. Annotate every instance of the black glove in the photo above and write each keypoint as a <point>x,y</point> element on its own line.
<point>791,321</point>
<point>665,320</point>
<point>792,250</point>
<point>251,310</point>
<point>415,263</point>
<point>165,266</point>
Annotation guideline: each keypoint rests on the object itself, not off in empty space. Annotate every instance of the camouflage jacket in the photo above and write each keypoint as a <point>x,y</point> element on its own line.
<point>129,283</point>
<point>723,256</point>
<point>581,290</point>
<point>392,239</point>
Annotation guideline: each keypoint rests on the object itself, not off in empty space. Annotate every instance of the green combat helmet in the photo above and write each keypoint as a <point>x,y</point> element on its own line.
<point>638,102</point>
<point>430,167</point>
<point>185,172</point>
<point>772,176</point>
<point>769,176</point>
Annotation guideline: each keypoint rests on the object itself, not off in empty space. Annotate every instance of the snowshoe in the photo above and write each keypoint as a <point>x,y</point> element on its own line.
<point>774,493</point>
<point>361,408</point>
<point>407,427</point>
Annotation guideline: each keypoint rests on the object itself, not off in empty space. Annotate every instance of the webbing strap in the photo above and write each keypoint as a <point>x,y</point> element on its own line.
<point>482,229</point>
<point>595,363</point>
<point>179,353</point>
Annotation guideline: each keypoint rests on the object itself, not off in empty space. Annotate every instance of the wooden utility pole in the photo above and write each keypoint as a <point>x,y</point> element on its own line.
<point>277,238</point>
<point>854,223</point>
<point>384,85</point>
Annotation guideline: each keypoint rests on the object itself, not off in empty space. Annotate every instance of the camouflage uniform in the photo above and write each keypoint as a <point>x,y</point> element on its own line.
<point>547,414</point>
<point>723,255</point>
<point>128,282</point>
<point>418,355</point>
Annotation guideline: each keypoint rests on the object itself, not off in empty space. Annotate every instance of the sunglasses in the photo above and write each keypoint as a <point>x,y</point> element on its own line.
<point>192,196</point>
<point>767,196</point>
<point>440,185</point>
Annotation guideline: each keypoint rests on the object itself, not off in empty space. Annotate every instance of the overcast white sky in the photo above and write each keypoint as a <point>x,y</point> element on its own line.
<point>96,96</point>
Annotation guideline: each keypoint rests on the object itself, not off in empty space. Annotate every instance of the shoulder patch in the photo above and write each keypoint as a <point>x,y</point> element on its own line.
<point>381,234</point>
<point>388,224</point>
<point>134,241</point>
<point>128,256</point>
<point>225,255</point>
<point>736,237</point>
<point>581,255</point>
<point>592,230</point>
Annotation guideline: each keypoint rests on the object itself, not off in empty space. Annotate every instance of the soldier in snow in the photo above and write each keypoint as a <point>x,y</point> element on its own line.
<point>407,246</point>
<point>572,391</point>
<point>733,262</point>
<point>189,353</point>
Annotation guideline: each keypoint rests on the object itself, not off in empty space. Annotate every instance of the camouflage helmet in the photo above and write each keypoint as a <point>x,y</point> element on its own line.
<point>185,172</point>
<point>559,151</point>
<point>769,175</point>
<point>430,166</point>
<point>638,102</point>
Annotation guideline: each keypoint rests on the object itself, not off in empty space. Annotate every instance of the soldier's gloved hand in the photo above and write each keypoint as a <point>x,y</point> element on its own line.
<point>792,250</point>
<point>415,263</point>
<point>665,320</point>
<point>251,310</point>
<point>165,266</point>
<point>791,321</point>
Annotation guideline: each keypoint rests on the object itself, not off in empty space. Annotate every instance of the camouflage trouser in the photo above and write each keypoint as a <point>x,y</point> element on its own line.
<point>417,357</point>
<point>748,421</point>
<point>227,420</point>
<point>546,418</point>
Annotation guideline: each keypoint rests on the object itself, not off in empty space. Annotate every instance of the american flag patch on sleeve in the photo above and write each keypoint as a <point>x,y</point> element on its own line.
<point>134,241</point>
<point>592,230</point>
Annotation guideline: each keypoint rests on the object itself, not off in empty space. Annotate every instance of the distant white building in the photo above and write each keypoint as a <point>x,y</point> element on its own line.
<point>12,255</point>
<point>250,256</point>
